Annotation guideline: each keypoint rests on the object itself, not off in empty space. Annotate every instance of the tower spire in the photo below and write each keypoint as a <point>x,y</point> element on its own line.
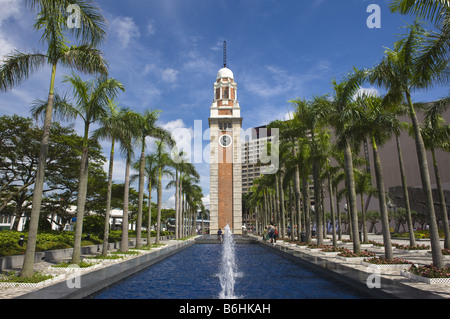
<point>224,54</point>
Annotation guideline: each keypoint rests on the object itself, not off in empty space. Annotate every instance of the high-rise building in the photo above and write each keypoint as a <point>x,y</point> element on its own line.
<point>252,151</point>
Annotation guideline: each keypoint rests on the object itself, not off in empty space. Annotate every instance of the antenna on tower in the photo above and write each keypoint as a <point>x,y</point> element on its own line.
<point>224,54</point>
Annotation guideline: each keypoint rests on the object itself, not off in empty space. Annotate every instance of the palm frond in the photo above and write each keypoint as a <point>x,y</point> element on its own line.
<point>85,58</point>
<point>62,109</point>
<point>93,24</point>
<point>435,10</point>
<point>18,66</point>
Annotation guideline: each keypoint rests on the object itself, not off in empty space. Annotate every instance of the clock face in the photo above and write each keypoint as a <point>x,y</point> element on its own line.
<point>225,140</point>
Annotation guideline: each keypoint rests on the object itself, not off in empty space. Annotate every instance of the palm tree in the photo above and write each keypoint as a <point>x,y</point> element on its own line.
<point>290,131</point>
<point>182,169</point>
<point>436,134</point>
<point>379,123</point>
<point>400,73</point>
<point>162,159</point>
<point>187,184</point>
<point>112,128</point>
<point>363,186</point>
<point>146,128</point>
<point>91,98</point>
<point>343,114</point>
<point>436,47</point>
<point>19,66</point>
<point>151,172</point>
<point>313,114</point>
<point>127,149</point>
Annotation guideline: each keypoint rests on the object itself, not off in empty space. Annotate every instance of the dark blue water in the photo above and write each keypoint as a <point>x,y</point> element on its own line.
<point>192,274</point>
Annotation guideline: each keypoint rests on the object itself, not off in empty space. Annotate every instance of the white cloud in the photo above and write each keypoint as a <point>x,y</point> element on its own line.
<point>206,201</point>
<point>169,203</point>
<point>169,75</point>
<point>10,9</point>
<point>125,29</point>
<point>182,135</point>
<point>150,27</point>
<point>274,81</point>
<point>367,91</point>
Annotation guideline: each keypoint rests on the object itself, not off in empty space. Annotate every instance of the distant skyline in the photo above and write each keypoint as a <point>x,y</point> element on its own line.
<point>167,54</point>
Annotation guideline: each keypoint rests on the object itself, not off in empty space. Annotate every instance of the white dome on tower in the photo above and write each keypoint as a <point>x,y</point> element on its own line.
<point>225,73</point>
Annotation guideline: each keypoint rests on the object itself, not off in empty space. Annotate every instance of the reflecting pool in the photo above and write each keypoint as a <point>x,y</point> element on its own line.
<point>193,273</point>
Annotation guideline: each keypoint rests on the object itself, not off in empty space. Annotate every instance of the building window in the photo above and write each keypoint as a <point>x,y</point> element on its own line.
<point>225,126</point>
<point>225,93</point>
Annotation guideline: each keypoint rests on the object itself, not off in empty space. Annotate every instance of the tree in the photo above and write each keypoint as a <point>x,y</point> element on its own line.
<point>436,45</point>
<point>363,186</point>
<point>378,124</point>
<point>313,115</point>
<point>183,169</point>
<point>342,115</point>
<point>112,128</point>
<point>91,100</point>
<point>401,74</point>
<point>436,134</point>
<point>162,160</point>
<point>130,120</point>
<point>18,66</point>
<point>151,172</point>
<point>18,163</point>
<point>146,128</point>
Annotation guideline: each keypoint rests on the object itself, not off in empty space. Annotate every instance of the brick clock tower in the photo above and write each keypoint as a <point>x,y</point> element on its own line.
<point>225,124</point>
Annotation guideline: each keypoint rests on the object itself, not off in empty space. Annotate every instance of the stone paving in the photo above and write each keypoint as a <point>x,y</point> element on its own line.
<point>416,257</point>
<point>420,258</point>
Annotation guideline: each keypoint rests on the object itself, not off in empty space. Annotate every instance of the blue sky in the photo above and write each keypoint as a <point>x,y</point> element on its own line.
<point>167,54</point>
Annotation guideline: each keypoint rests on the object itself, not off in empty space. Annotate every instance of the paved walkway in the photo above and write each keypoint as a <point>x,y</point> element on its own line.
<point>416,257</point>
<point>62,275</point>
<point>442,290</point>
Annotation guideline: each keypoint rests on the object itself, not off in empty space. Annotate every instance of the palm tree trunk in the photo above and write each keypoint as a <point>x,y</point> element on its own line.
<point>177,217</point>
<point>81,199</point>
<point>141,195</point>
<point>412,238</point>
<point>382,200</point>
<point>291,215</point>
<point>333,214</point>
<point>28,263</point>
<point>317,204</point>
<point>426,185</point>
<point>149,227</point>
<point>158,217</point>
<point>363,217</point>
<point>282,210</point>
<point>338,213</point>
<point>298,201</point>
<point>350,183</point>
<point>126,192</point>
<point>306,206</point>
<point>108,201</point>
<point>442,204</point>
<point>180,207</point>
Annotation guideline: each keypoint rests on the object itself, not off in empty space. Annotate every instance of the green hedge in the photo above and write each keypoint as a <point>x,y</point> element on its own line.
<point>57,240</point>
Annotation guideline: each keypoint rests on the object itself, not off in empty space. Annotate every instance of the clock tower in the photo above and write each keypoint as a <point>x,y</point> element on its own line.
<point>225,124</point>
